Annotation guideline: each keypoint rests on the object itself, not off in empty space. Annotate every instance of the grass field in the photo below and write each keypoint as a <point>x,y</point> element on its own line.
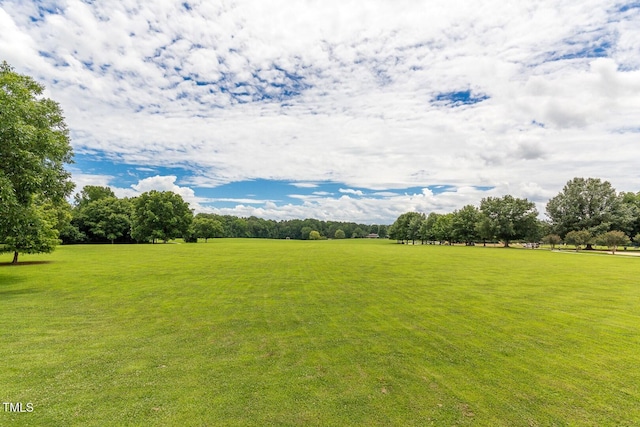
<point>326,333</point>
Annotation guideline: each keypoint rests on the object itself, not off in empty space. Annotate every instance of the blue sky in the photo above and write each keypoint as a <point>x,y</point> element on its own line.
<point>345,110</point>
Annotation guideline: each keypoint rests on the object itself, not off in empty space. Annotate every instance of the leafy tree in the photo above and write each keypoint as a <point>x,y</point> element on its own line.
<point>613,239</point>
<point>552,239</point>
<point>314,235</point>
<point>587,204</point>
<point>358,233</point>
<point>427,229</point>
<point>207,228</point>
<point>464,224</point>
<point>507,218</point>
<point>407,226</point>
<point>339,234</point>
<point>160,215</point>
<point>631,202</point>
<point>443,228</point>
<point>108,218</point>
<point>32,232</point>
<point>33,150</point>
<point>578,238</point>
<point>92,193</point>
<point>414,224</point>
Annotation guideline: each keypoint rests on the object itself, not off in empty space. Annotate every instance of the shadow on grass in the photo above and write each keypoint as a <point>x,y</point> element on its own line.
<point>16,292</point>
<point>20,263</point>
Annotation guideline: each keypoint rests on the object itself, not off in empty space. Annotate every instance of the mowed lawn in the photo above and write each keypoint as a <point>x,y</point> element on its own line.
<point>327,333</point>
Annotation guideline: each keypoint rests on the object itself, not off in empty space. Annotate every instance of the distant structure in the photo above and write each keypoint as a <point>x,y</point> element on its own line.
<point>372,236</point>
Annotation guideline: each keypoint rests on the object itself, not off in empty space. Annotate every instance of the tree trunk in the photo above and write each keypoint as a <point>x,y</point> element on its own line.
<point>589,247</point>
<point>15,258</point>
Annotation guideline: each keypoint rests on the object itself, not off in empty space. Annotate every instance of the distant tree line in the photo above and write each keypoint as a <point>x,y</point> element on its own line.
<point>586,212</point>
<point>98,216</point>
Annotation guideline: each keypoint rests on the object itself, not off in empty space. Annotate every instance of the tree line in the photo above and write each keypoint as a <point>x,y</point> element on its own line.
<point>98,216</point>
<point>586,212</point>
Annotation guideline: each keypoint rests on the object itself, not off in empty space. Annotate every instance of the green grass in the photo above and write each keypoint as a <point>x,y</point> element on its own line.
<point>326,333</point>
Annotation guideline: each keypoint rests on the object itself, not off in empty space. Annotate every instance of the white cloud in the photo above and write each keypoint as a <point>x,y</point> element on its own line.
<point>351,191</point>
<point>343,92</point>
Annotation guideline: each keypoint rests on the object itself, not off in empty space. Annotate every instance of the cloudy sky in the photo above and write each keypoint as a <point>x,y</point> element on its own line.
<point>338,109</point>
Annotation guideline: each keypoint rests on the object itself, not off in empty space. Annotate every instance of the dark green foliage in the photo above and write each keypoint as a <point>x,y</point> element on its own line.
<point>464,224</point>
<point>92,193</point>
<point>160,215</point>
<point>407,227</point>
<point>588,204</point>
<point>108,218</point>
<point>207,228</point>
<point>443,230</point>
<point>32,231</point>
<point>508,218</point>
<point>34,147</point>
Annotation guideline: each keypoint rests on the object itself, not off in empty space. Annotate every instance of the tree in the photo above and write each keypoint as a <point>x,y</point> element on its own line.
<point>578,238</point>
<point>314,235</point>
<point>414,225</point>
<point>552,239</point>
<point>407,226</point>
<point>160,215</point>
<point>32,232</point>
<point>464,224</point>
<point>34,148</point>
<point>339,234</point>
<point>427,229</point>
<point>92,193</point>
<point>507,218</point>
<point>587,204</point>
<point>108,218</point>
<point>207,228</point>
<point>443,228</point>
<point>613,239</point>
<point>631,202</point>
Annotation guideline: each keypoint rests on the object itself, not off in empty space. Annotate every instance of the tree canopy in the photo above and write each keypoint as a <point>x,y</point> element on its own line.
<point>508,218</point>
<point>160,215</point>
<point>587,204</point>
<point>35,147</point>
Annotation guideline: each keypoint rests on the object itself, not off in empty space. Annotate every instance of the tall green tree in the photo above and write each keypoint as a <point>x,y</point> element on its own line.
<point>464,224</point>
<point>207,228</point>
<point>631,202</point>
<point>407,226</point>
<point>443,228</point>
<point>160,215</point>
<point>587,204</point>
<point>34,147</point>
<point>508,218</point>
<point>108,218</point>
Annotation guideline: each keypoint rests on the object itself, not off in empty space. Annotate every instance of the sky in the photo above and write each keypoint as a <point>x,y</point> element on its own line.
<point>338,110</point>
